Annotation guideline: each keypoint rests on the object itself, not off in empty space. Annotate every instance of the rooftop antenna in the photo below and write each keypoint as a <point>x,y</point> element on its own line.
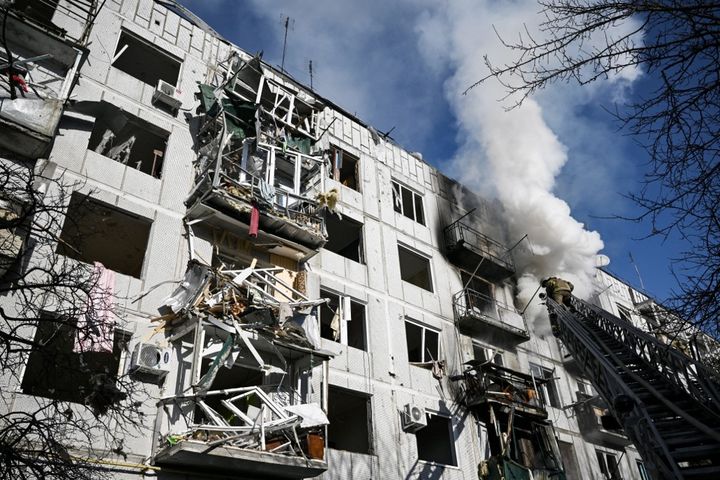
<point>637,270</point>
<point>311,74</point>
<point>288,25</point>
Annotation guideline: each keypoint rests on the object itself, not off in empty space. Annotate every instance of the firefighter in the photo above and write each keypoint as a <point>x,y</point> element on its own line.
<point>558,289</point>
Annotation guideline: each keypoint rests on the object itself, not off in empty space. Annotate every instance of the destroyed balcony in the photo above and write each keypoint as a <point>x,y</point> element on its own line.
<point>472,251</point>
<point>273,186</point>
<point>43,69</point>
<point>244,343</point>
<point>476,312</point>
<point>488,386</point>
<point>596,422</point>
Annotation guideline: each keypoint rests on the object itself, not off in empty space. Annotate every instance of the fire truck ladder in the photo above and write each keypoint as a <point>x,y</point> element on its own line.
<point>667,403</point>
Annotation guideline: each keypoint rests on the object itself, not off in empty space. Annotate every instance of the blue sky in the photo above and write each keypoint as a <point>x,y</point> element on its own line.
<point>404,64</point>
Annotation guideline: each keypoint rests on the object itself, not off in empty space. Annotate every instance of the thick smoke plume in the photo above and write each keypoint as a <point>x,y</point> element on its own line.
<point>513,155</point>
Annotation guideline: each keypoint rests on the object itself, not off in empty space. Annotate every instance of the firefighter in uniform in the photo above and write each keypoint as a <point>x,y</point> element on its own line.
<point>558,289</point>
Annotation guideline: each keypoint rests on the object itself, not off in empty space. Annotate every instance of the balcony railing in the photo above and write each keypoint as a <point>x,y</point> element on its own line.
<point>475,251</point>
<point>487,382</point>
<point>245,430</point>
<point>475,311</point>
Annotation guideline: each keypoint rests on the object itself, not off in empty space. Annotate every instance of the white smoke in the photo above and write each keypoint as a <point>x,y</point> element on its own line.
<point>511,154</point>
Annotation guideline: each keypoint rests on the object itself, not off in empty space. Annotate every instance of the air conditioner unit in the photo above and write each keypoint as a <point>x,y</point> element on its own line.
<point>167,94</point>
<point>414,418</point>
<point>150,359</point>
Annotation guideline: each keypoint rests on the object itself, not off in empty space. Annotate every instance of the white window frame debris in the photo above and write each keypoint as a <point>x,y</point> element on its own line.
<point>343,316</point>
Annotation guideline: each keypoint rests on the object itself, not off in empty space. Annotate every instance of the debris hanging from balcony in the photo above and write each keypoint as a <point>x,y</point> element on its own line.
<point>258,158</point>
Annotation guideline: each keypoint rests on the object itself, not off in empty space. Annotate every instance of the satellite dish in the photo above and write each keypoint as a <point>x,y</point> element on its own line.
<point>601,260</point>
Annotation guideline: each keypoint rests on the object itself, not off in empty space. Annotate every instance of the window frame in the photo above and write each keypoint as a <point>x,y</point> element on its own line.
<point>553,400</point>
<point>335,172</point>
<point>423,361</point>
<point>422,256</point>
<point>396,189</point>
<point>497,354</point>
<point>160,51</point>
<point>605,467</point>
<point>451,439</point>
<point>369,418</point>
<point>342,300</point>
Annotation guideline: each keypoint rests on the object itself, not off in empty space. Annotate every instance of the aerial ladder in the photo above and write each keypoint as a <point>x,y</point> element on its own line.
<point>667,403</point>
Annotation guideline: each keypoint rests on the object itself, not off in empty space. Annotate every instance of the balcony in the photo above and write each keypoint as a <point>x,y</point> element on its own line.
<point>282,184</point>
<point>597,423</point>
<point>487,384</point>
<point>476,312</point>
<point>472,251</point>
<point>45,65</point>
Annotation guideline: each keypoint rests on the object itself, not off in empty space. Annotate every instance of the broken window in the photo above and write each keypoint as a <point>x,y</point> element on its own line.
<point>344,237</point>
<point>59,370</point>
<point>435,442</point>
<point>478,294</point>
<point>548,391</point>
<point>488,354</point>
<point>97,232</point>
<point>345,168</point>
<point>569,461</point>
<point>128,139</point>
<point>408,202</point>
<point>144,61</point>
<point>350,417</point>
<point>624,313</point>
<point>423,343</point>
<point>343,320</point>
<point>415,268</point>
<point>585,389</point>
<point>608,465</point>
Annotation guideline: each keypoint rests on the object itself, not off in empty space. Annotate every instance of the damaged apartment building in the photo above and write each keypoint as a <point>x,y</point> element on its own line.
<point>298,295</point>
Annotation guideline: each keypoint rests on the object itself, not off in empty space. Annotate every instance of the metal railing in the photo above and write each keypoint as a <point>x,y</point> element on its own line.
<point>460,234</point>
<point>471,303</point>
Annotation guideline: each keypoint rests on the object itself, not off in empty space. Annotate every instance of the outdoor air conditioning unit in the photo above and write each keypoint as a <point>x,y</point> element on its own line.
<point>149,359</point>
<point>167,94</point>
<point>414,418</point>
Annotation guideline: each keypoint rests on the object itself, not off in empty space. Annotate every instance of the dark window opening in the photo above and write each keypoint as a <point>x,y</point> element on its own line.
<point>644,475</point>
<point>350,421</point>
<point>96,232</point>
<point>129,140</point>
<point>415,268</point>
<point>144,61</point>
<point>353,321</point>
<point>482,354</point>
<point>478,294</point>
<point>41,11</point>
<point>624,313</point>
<point>60,372</point>
<point>548,391</point>
<point>344,237</point>
<point>356,336</point>
<point>408,203</point>
<point>345,168</point>
<point>237,376</point>
<point>423,344</point>
<point>435,442</point>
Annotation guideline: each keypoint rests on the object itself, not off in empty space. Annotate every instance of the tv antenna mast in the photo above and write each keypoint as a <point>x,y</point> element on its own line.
<point>288,24</point>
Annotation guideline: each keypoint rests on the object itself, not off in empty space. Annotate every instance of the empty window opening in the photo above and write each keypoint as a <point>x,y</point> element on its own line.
<point>423,343</point>
<point>350,417</point>
<point>342,320</point>
<point>608,465</point>
<point>408,203</point>
<point>96,232</point>
<point>569,461</point>
<point>345,168</point>
<point>435,442</point>
<point>129,140</point>
<point>478,294</point>
<point>548,391</point>
<point>144,61</point>
<point>60,372</point>
<point>415,268</point>
<point>344,237</point>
